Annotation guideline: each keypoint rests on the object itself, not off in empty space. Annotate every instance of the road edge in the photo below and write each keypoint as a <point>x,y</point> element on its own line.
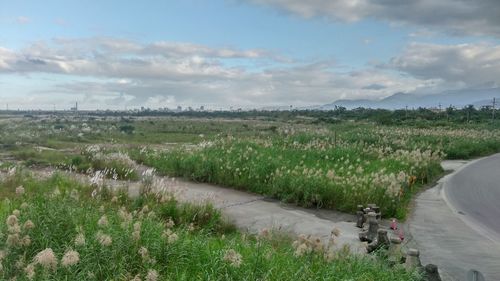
<point>469,221</point>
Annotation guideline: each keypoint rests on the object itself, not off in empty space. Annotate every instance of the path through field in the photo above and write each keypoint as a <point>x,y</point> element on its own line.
<point>249,212</point>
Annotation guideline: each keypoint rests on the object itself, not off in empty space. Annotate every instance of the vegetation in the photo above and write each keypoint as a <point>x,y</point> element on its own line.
<point>116,165</point>
<point>306,169</point>
<point>336,159</point>
<point>59,229</point>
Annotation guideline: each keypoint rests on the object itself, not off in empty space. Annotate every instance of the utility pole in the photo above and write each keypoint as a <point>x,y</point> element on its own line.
<point>406,112</point>
<point>493,109</point>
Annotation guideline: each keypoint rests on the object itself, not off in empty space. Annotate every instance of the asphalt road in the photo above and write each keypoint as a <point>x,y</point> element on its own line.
<point>474,193</point>
<point>455,224</point>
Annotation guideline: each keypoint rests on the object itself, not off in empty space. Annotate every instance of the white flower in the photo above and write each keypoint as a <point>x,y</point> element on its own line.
<point>302,249</point>
<point>26,241</point>
<point>170,223</point>
<point>13,240</point>
<point>172,238</point>
<point>20,190</point>
<point>80,240</point>
<point>47,259</point>
<point>70,258</point>
<point>104,239</point>
<point>136,234</point>
<point>233,257</point>
<point>16,213</point>
<point>12,220</point>
<point>143,251</point>
<point>30,271</point>
<point>103,221</point>
<point>28,225</point>
<point>136,278</point>
<point>152,275</point>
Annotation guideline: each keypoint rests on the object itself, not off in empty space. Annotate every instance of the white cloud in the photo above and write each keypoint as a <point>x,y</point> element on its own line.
<point>23,20</point>
<point>120,72</point>
<point>464,64</point>
<point>455,16</point>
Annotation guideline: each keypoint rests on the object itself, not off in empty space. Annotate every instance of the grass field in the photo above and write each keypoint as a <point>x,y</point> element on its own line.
<point>300,160</point>
<point>56,230</point>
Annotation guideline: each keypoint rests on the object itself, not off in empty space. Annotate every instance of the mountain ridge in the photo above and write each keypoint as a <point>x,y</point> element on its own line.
<point>456,98</point>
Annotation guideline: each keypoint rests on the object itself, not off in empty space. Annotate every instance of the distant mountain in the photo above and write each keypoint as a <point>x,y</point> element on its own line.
<point>457,98</point>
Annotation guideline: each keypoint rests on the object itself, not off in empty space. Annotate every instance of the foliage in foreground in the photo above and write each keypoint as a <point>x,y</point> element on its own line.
<point>55,230</point>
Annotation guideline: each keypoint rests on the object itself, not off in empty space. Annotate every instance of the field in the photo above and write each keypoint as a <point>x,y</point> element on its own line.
<point>58,228</point>
<point>298,160</point>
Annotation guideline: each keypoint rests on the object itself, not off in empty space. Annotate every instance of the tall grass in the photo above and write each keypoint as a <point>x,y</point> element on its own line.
<point>73,236</point>
<point>307,170</point>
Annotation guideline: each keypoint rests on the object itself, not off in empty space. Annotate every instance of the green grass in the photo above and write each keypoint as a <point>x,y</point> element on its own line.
<point>37,157</point>
<point>197,254</point>
<point>307,170</point>
<point>283,149</point>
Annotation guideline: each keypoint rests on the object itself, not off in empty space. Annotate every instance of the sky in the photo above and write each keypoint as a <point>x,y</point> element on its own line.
<point>241,53</point>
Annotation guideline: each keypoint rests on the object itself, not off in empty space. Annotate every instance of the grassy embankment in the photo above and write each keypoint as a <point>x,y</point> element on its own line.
<point>55,230</point>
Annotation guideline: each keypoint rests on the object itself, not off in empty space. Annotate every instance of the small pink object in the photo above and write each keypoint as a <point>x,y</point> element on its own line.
<point>401,235</point>
<point>394,225</point>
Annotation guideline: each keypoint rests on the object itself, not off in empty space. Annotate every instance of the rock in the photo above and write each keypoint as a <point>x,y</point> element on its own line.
<point>382,241</point>
<point>413,259</point>
<point>377,212</point>
<point>360,219</point>
<point>431,273</point>
<point>394,253</point>
<point>370,234</point>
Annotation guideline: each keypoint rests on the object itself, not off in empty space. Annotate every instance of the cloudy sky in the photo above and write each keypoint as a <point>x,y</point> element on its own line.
<point>254,53</point>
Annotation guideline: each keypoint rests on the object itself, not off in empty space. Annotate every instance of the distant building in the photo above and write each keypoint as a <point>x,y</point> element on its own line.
<point>75,108</point>
<point>436,109</point>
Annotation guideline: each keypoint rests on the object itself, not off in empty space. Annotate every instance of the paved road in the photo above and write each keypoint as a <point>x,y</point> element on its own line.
<point>456,233</point>
<point>253,212</point>
<point>474,192</point>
